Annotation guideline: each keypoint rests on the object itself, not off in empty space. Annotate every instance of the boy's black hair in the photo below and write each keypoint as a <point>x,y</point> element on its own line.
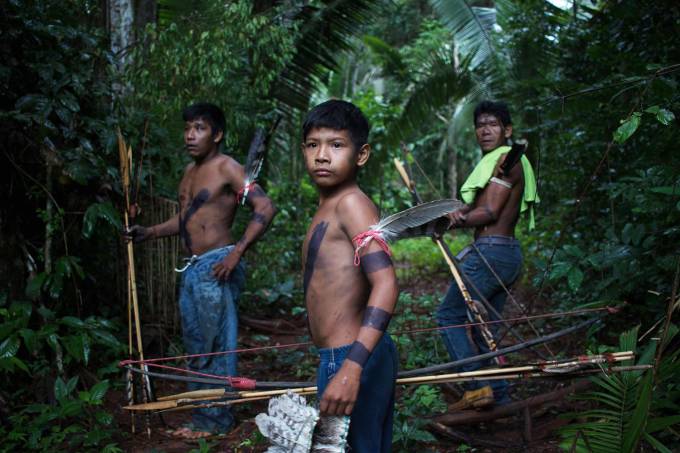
<point>338,115</point>
<point>208,112</point>
<point>498,109</point>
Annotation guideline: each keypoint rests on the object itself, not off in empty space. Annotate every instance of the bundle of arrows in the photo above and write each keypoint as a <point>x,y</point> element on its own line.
<point>565,368</point>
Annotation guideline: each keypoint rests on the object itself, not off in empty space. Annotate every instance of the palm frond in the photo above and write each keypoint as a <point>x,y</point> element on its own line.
<point>443,85</point>
<point>388,57</point>
<point>623,416</point>
<point>471,27</point>
<point>326,33</point>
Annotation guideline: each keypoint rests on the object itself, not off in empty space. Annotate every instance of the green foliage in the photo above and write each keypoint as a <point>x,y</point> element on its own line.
<point>74,421</point>
<point>33,339</point>
<point>409,422</point>
<point>230,59</point>
<point>97,212</point>
<point>626,412</point>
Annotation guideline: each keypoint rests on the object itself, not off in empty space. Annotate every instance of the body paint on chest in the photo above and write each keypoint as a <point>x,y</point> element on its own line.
<point>196,203</point>
<point>313,252</point>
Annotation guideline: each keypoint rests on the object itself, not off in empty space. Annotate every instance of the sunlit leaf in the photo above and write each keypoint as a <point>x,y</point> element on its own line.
<point>627,128</point>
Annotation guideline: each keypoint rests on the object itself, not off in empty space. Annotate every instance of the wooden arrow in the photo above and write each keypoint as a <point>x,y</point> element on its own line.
<point>563,367</point>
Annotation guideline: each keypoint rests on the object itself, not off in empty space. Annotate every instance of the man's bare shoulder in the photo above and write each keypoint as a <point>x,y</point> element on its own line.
<point>229,168</point>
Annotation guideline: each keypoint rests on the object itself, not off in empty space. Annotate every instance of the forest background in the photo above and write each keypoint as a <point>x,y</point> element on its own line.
<point>593,86</point>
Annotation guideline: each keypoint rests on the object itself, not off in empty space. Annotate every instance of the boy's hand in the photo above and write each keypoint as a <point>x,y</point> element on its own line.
<point>223,269</point>
<point>137,233</point>
<point>343,390</point>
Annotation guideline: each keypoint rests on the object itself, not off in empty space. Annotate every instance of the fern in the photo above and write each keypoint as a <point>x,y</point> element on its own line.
<point>626,410</point>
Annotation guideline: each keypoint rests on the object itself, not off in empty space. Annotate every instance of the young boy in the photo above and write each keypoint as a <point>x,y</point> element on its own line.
<point>349,305</point>
<point>213,277</point>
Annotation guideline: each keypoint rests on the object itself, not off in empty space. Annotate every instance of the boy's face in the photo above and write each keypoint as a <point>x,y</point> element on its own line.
<point>490,132</point>
<point>330,156</point>
<point>199,139</point>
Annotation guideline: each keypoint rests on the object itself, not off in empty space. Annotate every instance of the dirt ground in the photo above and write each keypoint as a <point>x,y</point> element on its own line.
<point>526,431</point>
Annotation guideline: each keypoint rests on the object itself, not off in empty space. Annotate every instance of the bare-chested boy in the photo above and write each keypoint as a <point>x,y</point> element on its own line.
<point>494,202</point>
<point>348,306</point>
<point>214,275</point>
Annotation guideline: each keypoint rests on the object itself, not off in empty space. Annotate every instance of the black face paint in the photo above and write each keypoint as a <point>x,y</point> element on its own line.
<point>375,261</point>
<point>377,318</point>
<point>198,201</point>
<point>313,251</point>
<point>259,218</point>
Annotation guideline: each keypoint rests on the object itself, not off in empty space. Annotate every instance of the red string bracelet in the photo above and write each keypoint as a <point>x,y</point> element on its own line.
<point>361,240</point>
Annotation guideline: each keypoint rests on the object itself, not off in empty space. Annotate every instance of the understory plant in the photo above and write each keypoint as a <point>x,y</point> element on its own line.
<point>631,407</point>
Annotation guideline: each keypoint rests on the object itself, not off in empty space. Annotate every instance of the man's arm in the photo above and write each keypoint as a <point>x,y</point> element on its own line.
<point>497,195</point>
<point>138,233</point>
<point>356,215</point>
<point>263,213</point>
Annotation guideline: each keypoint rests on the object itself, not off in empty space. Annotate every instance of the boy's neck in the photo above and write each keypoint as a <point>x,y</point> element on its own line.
<point>328,193</point>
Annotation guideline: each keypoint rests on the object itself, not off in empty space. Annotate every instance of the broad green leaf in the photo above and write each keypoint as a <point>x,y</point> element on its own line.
<point>60,389</point>
<point>665,117</point>
<point>30,340</point>
<point>98,391</point>
<point>35,286</point>
<point>104,211</point>
<point>9,347</point>
<point>575,278</point>
<point>72,321</point>
<point>71,384</point>
<point>69,408</point>
<point>627,128</point>
<point>74,346</point>
<point>666,190</point>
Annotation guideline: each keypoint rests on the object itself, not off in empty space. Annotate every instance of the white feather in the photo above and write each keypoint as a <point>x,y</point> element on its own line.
<point>291,426</point>
<point>391,227</point>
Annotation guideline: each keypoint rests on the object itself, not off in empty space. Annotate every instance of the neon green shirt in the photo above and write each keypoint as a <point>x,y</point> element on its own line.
<point>480,176</point>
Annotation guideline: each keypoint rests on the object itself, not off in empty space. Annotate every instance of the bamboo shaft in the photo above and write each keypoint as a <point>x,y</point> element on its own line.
<point>533,370</point>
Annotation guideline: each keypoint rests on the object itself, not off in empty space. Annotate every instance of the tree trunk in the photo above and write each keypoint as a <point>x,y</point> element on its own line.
<point>121,29</point>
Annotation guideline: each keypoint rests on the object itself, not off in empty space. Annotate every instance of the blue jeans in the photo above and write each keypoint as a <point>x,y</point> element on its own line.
<point>370,427</point>
<point>505,257</point>
<point>210,324</point>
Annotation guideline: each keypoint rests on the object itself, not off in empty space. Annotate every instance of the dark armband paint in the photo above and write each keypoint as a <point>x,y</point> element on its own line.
<point>377,318</point>
<point>373,262</point>
<point>358,354</point>
<point>259,218</point>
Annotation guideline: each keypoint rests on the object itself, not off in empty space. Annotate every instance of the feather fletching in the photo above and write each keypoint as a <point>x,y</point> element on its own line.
<point>424,219</point>
<point>256,154</point>
<point>292,426</point>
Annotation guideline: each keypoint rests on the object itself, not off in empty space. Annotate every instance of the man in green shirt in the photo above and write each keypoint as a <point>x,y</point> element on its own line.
<point>494,200</point>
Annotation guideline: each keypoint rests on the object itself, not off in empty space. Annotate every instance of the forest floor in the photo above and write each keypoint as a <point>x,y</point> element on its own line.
<point>514,433</point>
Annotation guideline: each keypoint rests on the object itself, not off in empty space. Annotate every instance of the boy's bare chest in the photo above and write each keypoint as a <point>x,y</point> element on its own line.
<point>325,239</point>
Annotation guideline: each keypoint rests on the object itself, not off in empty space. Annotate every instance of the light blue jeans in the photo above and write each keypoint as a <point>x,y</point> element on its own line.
<point>210,324</point>
<point>505,257</point>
